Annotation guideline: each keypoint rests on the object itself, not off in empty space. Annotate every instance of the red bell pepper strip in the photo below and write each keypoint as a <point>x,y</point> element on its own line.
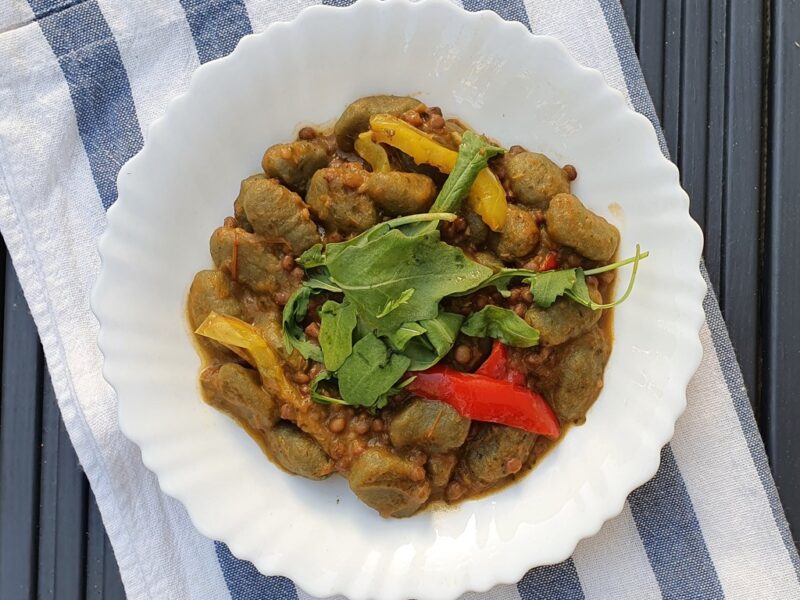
<point>496,366</point>
<point>485,399</point>
<point>550,262</point>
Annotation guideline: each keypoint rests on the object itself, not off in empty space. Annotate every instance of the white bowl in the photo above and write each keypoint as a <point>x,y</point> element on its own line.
<point>517,88</point>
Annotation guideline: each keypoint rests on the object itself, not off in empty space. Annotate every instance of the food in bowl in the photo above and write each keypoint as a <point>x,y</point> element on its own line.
<point>405,303</point>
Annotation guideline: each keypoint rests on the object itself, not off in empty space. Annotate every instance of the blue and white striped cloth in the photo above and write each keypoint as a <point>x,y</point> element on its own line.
<point>81,80</point>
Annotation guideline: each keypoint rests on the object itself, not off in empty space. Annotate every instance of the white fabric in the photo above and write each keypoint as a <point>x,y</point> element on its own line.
<point>710,454</point>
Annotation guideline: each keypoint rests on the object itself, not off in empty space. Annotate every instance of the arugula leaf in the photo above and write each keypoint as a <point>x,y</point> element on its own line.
<point>320,279</point>
<point>390,305</point>
<point>639,256</point>
<point>293,335</point>
<point>548,286</point>
<point>322,398</point>
<point>500,280</point>
<point>404,384</point>
<point>580,292</point>
<point>400,337</point>
<point>443,330</point>
<point>336,332</point>
<point>473,157</point>
<point>362,329</point>
<point>333,250</point>
<point>370,372</point>
<point>383,399</point>
<point>383,269</point>
<point>501,324</point>
<point>313,257</point>
<point>440,335</point>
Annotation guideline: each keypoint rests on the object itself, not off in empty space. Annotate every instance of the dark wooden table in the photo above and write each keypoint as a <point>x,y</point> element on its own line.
<point>725,80</point>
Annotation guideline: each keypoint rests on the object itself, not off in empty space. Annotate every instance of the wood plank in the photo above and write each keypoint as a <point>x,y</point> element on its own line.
<point>716,60</point>
<point>95,563</point>
<point>102,574</point>
<point>743,189</point>
<point>650,27</point>
<point>48,501</point>
<point>631,10</point>
<point>781,286</point>
<point>19,444</point>
<point>63,507</point>
<point>112,584</point>
<point>673,82</point>
<point>691,136</point>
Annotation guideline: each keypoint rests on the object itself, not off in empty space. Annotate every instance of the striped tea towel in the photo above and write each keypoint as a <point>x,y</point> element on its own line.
<point>81,80</point>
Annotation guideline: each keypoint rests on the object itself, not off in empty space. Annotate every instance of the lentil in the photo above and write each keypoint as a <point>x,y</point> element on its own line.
<point>287,262</point>
<point>281,297</point>
<point>312,330</point>
<point>361,426</point>
<point>417,474</point>
<point>353,179</point>
<point>513,465</point>
<point>337,424</point>
<point>454,491</point>
<point>301,377</point>
<point>417,456</point>
<point>307,133</point>
<point>286,152</point>
<point>412,117</point>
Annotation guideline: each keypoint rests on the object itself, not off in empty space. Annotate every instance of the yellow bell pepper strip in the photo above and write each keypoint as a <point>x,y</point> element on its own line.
<point>246,341</point>
<point>373,153</point>
<point>486,197</point>
<point>417,144</point>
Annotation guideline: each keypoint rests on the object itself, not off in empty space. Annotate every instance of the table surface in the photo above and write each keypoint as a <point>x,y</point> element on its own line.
<point>725,81</point>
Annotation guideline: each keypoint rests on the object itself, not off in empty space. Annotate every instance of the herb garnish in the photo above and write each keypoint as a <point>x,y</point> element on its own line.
<point>440,335</point>
<point>501,324</point>
<point>473,157</point>
<point>294,338</point>
<point>393,277</point>
<point>336,332</point>
<point>548,286</point>
<point>370,372</point>
<point>398,278</point>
